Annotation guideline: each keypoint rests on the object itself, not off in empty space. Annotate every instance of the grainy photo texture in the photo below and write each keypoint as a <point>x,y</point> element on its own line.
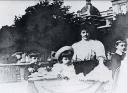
<point>62,46</point>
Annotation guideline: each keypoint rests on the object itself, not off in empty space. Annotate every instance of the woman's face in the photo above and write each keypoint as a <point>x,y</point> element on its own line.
<point>121,47</point>
<point>84,34</point>
<point>65,60</point>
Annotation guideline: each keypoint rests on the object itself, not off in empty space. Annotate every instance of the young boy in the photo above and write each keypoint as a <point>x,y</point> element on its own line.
<point>34,60</point>
<point>118,56</point>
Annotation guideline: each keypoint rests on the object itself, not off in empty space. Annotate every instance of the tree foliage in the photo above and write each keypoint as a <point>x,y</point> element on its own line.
<point>8,37</point>
<point>118,31</point>
<point>48,25</point>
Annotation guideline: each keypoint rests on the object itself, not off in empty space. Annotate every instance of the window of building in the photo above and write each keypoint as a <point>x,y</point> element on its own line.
<point>123,8</point>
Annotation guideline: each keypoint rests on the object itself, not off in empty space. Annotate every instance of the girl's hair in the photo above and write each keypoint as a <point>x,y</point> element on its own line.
<point>67,54</point>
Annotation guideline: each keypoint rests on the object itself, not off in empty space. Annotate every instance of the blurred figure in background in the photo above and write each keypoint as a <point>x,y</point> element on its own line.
<point>16,57</point>
<point>34,60</point>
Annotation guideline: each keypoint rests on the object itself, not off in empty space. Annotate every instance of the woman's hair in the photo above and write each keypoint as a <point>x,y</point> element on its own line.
<point>90,28</point>
<point>88,0</point>
<point>67,54</point>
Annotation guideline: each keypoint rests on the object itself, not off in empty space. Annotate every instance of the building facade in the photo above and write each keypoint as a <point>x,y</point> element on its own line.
<point>118,7</point>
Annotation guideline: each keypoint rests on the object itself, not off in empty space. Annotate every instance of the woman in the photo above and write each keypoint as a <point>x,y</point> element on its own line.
<point>89,55</point>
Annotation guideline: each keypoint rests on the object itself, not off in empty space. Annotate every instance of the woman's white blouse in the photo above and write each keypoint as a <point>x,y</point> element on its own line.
<point>86,49</point>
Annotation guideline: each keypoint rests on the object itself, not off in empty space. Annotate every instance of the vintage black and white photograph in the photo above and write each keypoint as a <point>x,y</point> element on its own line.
<point>63,46</point>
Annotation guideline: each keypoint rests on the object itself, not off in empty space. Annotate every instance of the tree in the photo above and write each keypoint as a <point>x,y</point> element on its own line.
<point>119,30</point>
<point>47,25</point>
<point>8,38</point>
<point>8,46</point>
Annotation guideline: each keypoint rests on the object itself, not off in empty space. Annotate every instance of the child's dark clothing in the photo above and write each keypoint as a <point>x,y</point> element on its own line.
<point>116,61</point>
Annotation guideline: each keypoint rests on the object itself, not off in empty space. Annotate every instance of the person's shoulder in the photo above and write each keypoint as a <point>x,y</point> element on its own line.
<point>97,42</point>
<point>57,65</point>
<point>76,43</point>
<point>116,58</point>
<point>115,55</point>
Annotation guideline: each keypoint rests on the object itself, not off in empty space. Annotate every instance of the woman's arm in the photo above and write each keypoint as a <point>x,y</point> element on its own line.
<point>100,51</point>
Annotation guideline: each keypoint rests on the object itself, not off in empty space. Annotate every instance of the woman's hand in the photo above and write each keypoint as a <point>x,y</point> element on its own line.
<point>101,60</point>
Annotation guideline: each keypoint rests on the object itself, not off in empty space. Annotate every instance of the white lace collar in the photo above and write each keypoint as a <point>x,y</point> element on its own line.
<point>119,52</point>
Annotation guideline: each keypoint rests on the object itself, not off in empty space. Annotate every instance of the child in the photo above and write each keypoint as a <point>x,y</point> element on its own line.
<point>34,60</point>
<point>118,56</point>
<point>64,68</point>
<point>120,74</point>
<point>61,70</point>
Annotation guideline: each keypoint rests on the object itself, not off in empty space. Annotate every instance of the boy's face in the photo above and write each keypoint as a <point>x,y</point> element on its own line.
<point>121,47</point>
<point>18,56</point>
<point>34,60</point>
<point>65,60</point>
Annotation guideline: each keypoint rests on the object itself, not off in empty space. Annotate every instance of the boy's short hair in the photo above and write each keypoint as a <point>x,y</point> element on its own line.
<point>119,41</point>
<point>33,55</point>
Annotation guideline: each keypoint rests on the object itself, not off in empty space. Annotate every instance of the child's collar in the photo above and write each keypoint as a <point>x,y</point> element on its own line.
<point>119,52</point>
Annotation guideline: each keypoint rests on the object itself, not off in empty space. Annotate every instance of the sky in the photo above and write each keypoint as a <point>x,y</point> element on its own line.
<point>10,9</point>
